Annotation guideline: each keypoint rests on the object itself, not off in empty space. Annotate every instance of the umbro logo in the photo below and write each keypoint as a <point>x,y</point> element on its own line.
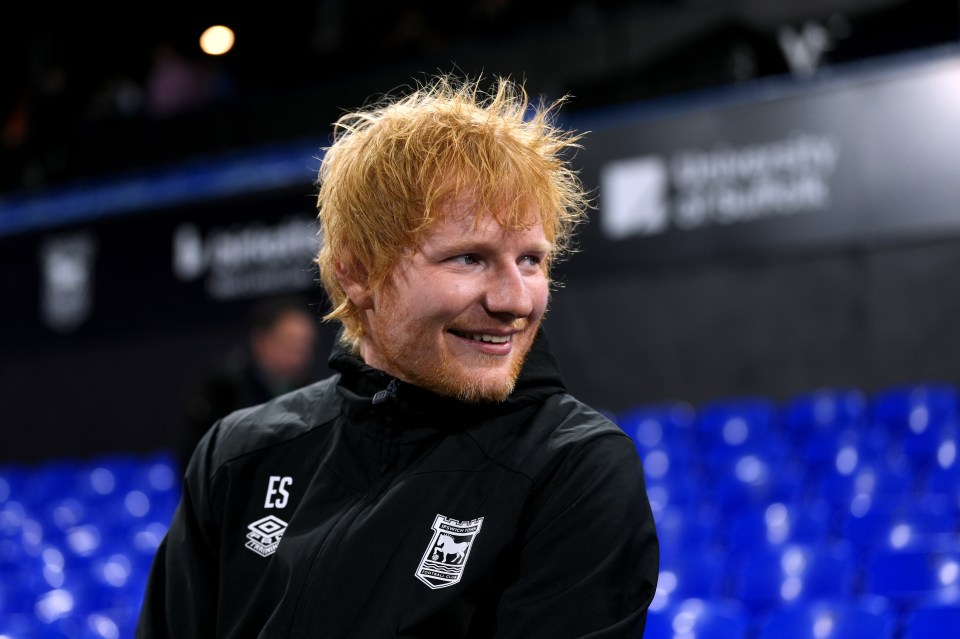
<point>265,535</point>
<point>446,556</point>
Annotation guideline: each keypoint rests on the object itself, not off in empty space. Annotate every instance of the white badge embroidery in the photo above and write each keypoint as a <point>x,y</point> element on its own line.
<point>265,535</point>
<point>446,555</point>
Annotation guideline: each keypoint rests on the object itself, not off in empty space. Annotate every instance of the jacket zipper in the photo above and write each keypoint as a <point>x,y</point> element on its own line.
<point>383,395</point>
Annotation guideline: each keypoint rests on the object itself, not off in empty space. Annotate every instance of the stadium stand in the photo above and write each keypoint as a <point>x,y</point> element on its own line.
<point>833,515</point>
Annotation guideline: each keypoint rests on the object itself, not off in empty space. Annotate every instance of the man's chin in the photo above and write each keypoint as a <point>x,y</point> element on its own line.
<point>476,388</point>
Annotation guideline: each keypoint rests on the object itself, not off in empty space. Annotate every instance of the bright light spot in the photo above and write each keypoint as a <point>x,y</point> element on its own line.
<point>148,539</point>
<point>860,505</point>
<point>649,433</point>
<point>32,536</point>
<point>103,626</point>
<point>777,522</point>
<point>824,410</point>
<point>137,503</point>
<point>947,453</point>
<point>846,460</point>
<point>216,40</point>
<point>667,581</point>
<point>735,431</point>
<point>750,470</point>
<point>660,600</point>
<point>161,477</point>
<point>102,480</point>
<point>775,514</point>
<point>53,576</point>
<point>656,463</point>
<point>54,605</point>
<point>116,570</point>
<point>790,588</point>
<point>793,562</point>
<point>83,540</point>
<point>659,497</point>
<point>684,622</point>
<point>948,573</point>
<point>866,482</point>
<point>13,513</point>
<point>900,535</point>
<point>53,558</point>
<point>823,626</point>
<point>67,513</point>
<point>919,419</point>
<point>666,584</point>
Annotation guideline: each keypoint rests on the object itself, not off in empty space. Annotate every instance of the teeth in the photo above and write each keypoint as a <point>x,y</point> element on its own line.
<point>493,339</point>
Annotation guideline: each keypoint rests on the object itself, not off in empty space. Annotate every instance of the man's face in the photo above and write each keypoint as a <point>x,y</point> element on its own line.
<point>285,351</point>
<point>459,316</point>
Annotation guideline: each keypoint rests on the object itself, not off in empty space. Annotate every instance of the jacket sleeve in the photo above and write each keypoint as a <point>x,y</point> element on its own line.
<point>182,591</point>
<point>589,558</point>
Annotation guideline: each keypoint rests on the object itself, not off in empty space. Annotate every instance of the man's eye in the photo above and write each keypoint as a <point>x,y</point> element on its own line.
<point>466,260</point>
<point>532,260</point>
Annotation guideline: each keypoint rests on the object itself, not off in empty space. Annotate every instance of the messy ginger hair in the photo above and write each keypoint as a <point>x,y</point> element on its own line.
<point>392,167</point>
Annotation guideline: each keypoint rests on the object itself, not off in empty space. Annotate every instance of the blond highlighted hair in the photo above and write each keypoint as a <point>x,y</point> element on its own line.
<point>391,168</point>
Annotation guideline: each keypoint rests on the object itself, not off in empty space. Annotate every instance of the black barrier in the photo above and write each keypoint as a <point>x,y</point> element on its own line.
<point>108,320</point>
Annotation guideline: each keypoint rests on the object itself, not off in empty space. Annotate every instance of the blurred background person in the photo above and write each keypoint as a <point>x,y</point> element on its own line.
<point>276,358</point>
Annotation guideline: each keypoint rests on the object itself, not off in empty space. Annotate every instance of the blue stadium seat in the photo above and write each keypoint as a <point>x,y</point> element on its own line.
<point>18,626</point>
<point>854,486</point>
<point>943,476</point>
<point>778,523</point>
<point>813,421</point>
<point>676,490</point>
<point>931,618</point>
<point>918,415</point>
<point>770,577</point>
<point>828,619</point>
<point>753,481</point>
<point>682,531</point>
<point>668,423</point>
<point>76,542</point>
<point>894,522</point>
<point>700,618</point>
<point>730,429</point>
<point>921,568</point>
<point>691,575</point>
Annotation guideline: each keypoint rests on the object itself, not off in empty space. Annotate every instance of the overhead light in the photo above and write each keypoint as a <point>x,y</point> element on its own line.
<point>217,40</point>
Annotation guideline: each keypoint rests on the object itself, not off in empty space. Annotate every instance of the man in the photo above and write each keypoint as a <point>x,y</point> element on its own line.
<point>275,359</point>
<point>442,483</point>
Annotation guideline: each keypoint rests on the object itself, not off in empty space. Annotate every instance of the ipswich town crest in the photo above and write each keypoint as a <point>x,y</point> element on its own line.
<point>448,550</point>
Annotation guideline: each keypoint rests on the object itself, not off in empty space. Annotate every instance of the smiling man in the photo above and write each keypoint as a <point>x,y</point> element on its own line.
<point>443,483</point>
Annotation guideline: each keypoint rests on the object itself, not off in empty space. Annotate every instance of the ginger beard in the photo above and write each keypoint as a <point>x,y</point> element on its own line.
<point>470,377</point>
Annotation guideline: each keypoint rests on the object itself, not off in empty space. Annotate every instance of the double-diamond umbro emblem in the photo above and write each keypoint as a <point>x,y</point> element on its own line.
<point>446,555</point>
<point>265,535</point>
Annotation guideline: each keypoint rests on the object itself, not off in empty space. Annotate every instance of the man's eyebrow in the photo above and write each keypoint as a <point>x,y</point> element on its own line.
<point>466,244</point>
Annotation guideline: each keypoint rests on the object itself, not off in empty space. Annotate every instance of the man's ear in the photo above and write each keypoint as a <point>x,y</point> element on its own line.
<point>353,280</point>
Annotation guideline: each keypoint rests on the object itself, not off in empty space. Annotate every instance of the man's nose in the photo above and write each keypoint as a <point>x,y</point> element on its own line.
<point>508,292</point>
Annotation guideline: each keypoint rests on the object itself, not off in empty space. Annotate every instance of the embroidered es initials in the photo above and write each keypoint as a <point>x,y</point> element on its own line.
<point>277,494</point>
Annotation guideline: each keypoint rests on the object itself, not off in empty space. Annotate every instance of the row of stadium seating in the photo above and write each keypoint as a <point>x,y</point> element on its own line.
<point>76,542</point>
<point>831,516</point>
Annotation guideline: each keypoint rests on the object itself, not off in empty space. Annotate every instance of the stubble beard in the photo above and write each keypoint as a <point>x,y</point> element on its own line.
<point>449,377</point>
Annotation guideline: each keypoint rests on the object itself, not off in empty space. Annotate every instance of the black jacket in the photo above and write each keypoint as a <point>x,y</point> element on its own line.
<point>365,507</point>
